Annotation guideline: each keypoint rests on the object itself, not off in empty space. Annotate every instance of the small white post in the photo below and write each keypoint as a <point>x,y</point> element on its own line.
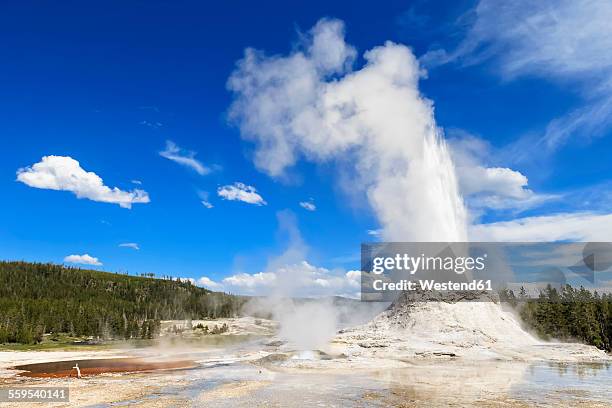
<point>78,370</point>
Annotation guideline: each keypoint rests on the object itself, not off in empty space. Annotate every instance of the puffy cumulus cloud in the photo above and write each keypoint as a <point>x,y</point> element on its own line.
<point>304,279</point>
<point>354,278</point>
<point>208,283</point>
<point>65,173</point>
<point>308,205</point>
<point>131,245</point>
<point>500,181</point>
<point>487,186</point>
<point>374,121</point>
<point>250,282</point>
<point>308,280</point>
<point>183,157</point>
<point>84,259</point>
<point>241,192</point>
<point>583,226</point>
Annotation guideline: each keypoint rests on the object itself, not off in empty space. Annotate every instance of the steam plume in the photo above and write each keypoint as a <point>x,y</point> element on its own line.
<point>311,104</point>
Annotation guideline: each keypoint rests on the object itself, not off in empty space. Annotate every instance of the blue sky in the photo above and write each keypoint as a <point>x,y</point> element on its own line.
<point>523,102</point>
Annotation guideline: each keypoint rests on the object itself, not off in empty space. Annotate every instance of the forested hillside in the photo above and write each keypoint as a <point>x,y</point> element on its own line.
<point>567,314</point>
<point>45,298</point>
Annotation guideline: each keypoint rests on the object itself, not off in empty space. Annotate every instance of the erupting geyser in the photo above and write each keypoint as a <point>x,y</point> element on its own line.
<point>380,131</point>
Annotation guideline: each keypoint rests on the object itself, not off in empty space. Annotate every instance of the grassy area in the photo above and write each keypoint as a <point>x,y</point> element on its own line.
<point>52,347</point>
<point>210,340</point>
<point>63,342</point>
<point>59,342</point>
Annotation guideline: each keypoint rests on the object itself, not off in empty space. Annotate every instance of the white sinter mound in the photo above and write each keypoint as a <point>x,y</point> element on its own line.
<point>478,330</point>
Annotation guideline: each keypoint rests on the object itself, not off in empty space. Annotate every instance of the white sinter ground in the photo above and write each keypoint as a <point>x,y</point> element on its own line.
<point>473,330</point>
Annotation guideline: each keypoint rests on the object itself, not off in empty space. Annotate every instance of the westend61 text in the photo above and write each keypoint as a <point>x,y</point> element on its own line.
<point>475,285</point>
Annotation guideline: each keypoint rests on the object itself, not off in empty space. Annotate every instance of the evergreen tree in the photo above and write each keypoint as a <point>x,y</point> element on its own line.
<point>46,298</point>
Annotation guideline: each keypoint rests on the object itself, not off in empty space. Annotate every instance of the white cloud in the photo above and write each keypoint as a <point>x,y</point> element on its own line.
<point>354,279</point>
<point>496,180</point>
<point>183,157</point>
<point>288,274</point>
<point>131,245</point>
<point>204,199</point>
<point>375,121</point>
<point>305,280</point>
<point>589,121</point>
<point>308,205</point>
<point>563,38</point>
<point>250,282</point>
<point>567,41</point>
<point>152,125</point>
<point>485,185</point>
<point>582,226</point>
<point>470,155</point>
<point>241,192</point>
<point>137,182</point>
<point>65,174</point>
<point>84,259</point>
<point>208,283</point>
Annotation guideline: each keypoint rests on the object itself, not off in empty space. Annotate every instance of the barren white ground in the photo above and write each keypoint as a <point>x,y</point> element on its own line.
<point>427,354</point>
